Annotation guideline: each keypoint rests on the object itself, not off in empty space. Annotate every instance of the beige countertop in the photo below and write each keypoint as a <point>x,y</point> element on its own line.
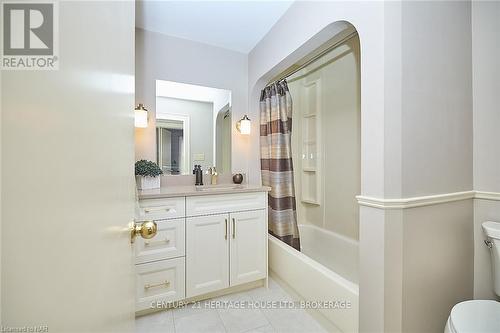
<point>191,190</point>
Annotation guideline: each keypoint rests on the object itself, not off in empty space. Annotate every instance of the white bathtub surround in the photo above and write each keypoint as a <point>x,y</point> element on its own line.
<point>315,275</point>
<point>326,159</point>
<point>207,319</point>
<point>327,138</point>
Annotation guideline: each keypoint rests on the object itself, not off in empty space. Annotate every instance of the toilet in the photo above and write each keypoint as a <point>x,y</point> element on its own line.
<point>480,316</point>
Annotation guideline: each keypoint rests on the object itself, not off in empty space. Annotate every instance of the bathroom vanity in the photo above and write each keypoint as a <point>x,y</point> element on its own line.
<point>209,239</point>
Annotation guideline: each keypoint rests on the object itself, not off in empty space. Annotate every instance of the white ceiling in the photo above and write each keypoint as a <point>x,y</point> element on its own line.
<point>234,25</point>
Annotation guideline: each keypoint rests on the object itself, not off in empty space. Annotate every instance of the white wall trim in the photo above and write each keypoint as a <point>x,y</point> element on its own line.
<point>487,195</point>
<point>403,203</point>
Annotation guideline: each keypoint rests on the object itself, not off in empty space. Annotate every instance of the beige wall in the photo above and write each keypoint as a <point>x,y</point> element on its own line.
<point>161,57</point>
<point>340,164</point>
<point>436,118</point>
<point>437,262</point>
<point>426,256</point>
<point>486,87</point>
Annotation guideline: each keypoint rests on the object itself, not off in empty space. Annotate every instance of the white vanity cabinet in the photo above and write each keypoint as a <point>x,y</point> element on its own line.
<point>220,241</point>
<point>225,250</point>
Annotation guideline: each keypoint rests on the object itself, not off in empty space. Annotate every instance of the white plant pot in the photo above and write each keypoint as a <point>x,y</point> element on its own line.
<point>147,183</point>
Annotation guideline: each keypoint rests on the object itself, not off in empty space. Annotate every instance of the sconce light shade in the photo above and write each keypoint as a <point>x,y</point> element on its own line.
<point>244,125</point>
<point>141,116</point>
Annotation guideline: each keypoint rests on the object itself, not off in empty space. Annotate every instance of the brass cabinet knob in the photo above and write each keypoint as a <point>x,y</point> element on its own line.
<point>146,230</point>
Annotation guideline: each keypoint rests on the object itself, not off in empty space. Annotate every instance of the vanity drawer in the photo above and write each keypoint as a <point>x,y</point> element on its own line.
<point>160,281</point>
<point>224,203</point>
<point>168,242</point>
<point>158,209</point>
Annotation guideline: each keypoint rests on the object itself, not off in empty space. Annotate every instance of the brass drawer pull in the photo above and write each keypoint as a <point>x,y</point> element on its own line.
<point>234,228</point>
<point>165,283</point>
<point>157,209</point>
<point>225,236</point>
<point>166,240</point>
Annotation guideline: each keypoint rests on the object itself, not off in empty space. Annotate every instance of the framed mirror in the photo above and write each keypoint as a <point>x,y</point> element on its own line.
<point>193,126</point>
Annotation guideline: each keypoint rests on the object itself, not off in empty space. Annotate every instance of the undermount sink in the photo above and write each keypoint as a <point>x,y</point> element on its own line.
<point>215,188</point>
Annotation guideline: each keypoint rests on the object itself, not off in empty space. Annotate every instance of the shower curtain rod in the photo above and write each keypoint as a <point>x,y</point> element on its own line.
<point>310,61</point>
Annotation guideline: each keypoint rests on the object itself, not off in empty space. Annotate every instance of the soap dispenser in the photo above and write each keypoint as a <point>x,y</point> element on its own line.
<point>214,175</point>
<point>198,175</point>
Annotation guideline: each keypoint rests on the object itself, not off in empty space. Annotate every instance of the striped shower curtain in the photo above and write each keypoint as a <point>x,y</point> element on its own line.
<point>276,161</point>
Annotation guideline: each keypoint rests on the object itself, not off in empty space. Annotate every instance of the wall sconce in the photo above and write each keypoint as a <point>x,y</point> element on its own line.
<point>244,125</point>
<point>140,116</point>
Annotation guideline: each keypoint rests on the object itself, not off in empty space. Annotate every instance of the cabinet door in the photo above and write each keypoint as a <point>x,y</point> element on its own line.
<point>248,238</point>
<point>207,254</point>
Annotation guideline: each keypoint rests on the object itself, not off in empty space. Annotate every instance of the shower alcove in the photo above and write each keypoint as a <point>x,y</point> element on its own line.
<point>326,152</point>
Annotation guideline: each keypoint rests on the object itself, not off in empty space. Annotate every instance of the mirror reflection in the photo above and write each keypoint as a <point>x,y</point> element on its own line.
<point>193,126</point>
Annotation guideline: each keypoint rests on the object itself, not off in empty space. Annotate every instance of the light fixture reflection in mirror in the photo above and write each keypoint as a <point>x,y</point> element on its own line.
<point>244,125</point>
<point>140,116</point>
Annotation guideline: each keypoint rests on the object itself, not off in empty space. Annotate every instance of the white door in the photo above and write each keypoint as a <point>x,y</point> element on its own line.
<point>67,178</point>
<point>207,254</point>
<point>248,246</point>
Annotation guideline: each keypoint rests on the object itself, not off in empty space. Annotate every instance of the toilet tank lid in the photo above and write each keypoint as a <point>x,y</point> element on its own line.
<point>476,316</point>
<point>492,229</point>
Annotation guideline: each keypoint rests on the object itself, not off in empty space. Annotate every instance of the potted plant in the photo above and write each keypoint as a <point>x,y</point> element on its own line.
<point>147,175</point>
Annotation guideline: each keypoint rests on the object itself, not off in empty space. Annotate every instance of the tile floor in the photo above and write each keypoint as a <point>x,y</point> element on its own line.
<point>224,319</point>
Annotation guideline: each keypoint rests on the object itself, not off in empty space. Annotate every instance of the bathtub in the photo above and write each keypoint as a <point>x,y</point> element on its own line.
<point>325,270</point>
